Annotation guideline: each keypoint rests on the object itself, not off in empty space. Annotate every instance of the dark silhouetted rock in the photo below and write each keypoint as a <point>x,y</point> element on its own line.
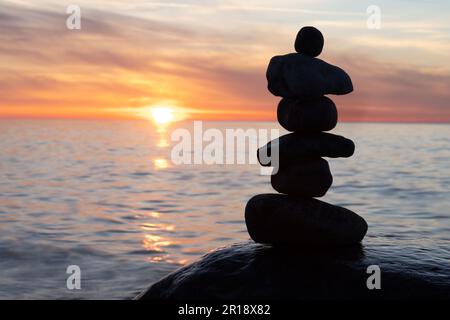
<point>294,147</point>
<point>296,76</point>
<point>249,271</point>
<point>307,115</point>
<point>287,220</point>
<point>307,178</point>
<point>309,41</point>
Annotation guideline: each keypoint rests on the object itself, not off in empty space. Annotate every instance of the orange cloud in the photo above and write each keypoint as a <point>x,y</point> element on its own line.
<point>117,64</point>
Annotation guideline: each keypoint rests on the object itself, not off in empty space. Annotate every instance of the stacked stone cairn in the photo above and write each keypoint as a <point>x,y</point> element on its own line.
<point>295,217</point>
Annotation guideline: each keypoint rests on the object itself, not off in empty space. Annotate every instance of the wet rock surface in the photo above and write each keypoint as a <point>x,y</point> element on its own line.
<point>250,271</point>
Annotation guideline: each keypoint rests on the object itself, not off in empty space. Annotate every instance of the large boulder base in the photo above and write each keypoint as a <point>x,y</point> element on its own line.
<point>249,271</point>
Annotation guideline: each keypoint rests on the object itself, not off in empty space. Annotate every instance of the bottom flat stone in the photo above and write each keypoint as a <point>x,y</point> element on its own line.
<point>289,220</point>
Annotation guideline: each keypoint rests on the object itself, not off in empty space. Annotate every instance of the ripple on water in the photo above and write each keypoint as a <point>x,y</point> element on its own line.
<point>87,193</point>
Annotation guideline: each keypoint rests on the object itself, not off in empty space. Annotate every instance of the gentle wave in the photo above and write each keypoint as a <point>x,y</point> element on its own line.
<point>108,198</point>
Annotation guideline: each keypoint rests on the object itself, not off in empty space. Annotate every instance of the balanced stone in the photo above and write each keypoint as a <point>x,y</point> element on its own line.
<point>295,146</point>
<point>308,178</point>
<point>296,75</point>
<point>287,220</point>
<point>309,41</point>
<point>307,115</point>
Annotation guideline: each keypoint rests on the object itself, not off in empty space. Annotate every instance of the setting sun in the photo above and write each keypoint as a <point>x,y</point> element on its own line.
<point>162,115</point>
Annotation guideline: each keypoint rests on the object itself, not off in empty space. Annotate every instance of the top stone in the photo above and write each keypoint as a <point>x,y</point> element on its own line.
<point>309,41</point>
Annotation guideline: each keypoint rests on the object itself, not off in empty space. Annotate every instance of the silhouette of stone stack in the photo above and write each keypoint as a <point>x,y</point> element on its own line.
<point>295,217</point>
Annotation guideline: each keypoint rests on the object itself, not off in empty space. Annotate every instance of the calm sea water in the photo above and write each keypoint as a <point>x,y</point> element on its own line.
<point>104,195</point>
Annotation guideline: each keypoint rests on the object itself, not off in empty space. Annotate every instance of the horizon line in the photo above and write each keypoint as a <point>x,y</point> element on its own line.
<point>207,119</point>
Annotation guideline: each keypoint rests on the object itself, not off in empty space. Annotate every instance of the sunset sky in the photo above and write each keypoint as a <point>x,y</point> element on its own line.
<point>208,58</point>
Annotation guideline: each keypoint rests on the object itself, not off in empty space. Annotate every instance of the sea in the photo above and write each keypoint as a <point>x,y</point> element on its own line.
<point>107,197</point>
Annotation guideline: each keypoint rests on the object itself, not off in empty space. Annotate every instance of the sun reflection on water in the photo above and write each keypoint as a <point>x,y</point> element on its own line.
<point>155,226</point>
<point>155,243</point>
<point>162,143</point>
<point>160,163</point>
<point>153,214</point>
